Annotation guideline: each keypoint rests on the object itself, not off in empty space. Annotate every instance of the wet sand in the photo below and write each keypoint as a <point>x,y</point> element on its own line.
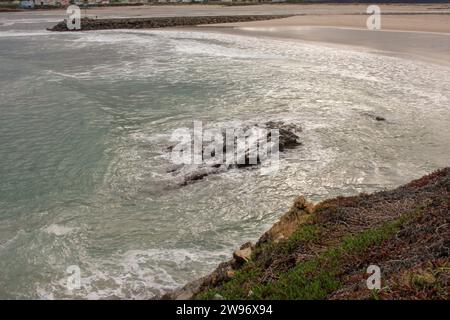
<point>425,46</point>
<point>416,36</point>
<point>400,22</point>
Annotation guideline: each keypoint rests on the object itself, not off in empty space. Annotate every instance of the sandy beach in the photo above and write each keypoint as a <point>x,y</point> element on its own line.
<point>399,22</point>
<point>412,31</point>
<point>406,31</point>
<point>423,45</point>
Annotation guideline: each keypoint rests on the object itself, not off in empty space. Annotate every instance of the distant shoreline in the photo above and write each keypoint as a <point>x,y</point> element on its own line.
<point>406,17</point>
<point>412,31</point>
<point>418,37</point>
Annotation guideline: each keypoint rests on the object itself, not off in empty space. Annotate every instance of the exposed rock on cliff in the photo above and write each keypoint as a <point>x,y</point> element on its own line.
<point>297,215</point>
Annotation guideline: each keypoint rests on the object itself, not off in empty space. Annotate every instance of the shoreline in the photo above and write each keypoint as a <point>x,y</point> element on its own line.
<point>428,47</point>
<point>412,31</point>
<point>434,21</point>
<point>413,36</point>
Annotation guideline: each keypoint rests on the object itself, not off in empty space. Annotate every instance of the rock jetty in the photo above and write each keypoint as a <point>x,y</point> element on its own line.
<point>160,22</point>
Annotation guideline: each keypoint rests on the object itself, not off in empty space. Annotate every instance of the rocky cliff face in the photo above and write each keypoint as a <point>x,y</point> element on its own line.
<point>322,251</point>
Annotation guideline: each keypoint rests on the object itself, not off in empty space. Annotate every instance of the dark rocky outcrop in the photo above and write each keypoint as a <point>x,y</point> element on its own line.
<point>287,139</point>
<point>160,22</point>
<point>373,116</point>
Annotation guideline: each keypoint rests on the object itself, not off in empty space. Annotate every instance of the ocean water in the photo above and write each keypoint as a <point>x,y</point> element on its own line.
<point>85,119</point>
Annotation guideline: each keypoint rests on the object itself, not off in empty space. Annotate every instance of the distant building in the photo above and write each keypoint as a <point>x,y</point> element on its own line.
<point>45,2</point>
<point>40,3</point>
<point>178,1</point>
<point>26,4</point>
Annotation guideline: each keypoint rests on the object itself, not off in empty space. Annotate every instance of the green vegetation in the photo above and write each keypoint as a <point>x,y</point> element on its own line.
<point>316,278</point>
<point>404,231</point>
<point>236,288</point>
<point>248,277</point>
<point>303,235</point>
<point>8,5</point>
<point>311,279</point>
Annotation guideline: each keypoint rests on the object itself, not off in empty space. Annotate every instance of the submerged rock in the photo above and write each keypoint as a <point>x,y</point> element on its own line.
<point>374,116</point>
<point>288,138</point>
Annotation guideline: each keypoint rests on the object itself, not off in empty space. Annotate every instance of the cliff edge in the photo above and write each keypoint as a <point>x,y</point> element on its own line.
<point>323,251</point>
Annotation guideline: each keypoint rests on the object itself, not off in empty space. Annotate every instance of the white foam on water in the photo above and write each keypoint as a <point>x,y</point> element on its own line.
<point>332,93</point>
<point>11,22</point>
<point>58,230</point>
<point>135,274</point>
<point>193,47</point>
<point>23,33</point>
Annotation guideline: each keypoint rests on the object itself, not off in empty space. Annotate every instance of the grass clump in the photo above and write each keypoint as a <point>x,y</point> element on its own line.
<point>305,234</point>
<point>312,279</point>
<point>248,277</point>
<point>318,277</point>
<point>236,288</point>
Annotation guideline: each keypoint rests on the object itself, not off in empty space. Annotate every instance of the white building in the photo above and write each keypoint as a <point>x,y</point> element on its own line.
<point>38,3</point>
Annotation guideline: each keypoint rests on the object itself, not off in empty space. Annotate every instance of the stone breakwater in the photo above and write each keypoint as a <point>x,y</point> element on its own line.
<point>160,22</point>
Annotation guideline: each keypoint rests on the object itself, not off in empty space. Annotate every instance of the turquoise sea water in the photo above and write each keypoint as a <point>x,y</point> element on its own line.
<point>85,119</point>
